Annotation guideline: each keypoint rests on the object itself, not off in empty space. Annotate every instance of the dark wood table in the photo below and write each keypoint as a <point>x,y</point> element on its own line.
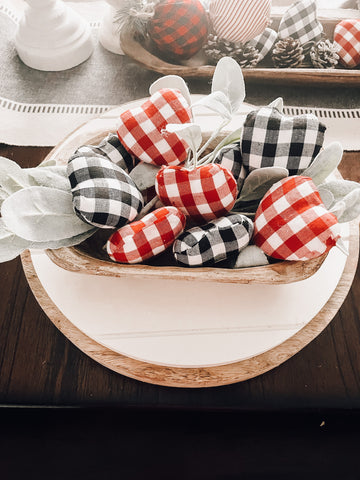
<point>39,366</point>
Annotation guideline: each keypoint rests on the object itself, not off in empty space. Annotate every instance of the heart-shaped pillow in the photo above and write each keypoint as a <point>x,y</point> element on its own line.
<point>292,223</point>
<point>141,129</point>
<point>239,20</point>
<point>264,42</point>
<point>104,195</point>
<point>230,157</point>
<point>203,193</point>
<point>214,242</point>
<point>347,38</point>
<point>300,22</point>
<point>147,237</point>
<point>273,139</point>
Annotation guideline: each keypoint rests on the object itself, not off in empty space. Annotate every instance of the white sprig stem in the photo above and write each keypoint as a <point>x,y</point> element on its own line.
<point>213,136</point>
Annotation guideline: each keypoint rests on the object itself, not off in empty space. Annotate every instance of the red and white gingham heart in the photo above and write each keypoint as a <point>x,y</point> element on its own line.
<point>141,128</point>
<point>292,223</point>
<point>145,238</point>
<point>347,37</point>
<point>204,193</point>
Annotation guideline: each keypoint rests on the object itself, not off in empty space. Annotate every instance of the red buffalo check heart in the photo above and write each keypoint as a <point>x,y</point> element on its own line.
<point>141,129</point>
<point>292,223</point>
<point>347,37</point>
<point>147,237</point>
<point>204,193</point>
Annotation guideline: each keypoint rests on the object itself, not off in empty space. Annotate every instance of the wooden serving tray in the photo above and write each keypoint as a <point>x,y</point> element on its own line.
<point>90,258</point>
<point>197,67</point>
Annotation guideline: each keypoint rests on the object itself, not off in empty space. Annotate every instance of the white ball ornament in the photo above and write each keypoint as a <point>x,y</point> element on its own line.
<point>239,21</point>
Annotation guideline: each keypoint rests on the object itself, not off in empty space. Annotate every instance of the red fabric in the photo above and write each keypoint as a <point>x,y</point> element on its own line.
<point>147,237</point>
<point>292,223</point>
<point>179,28</point>
<point>347,36</point>
<point>141,128</point>
<point>204,193</point>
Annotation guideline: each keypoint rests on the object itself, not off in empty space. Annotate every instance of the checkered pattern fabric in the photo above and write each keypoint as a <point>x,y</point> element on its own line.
<point>179,28</point>
<point>264,42</point>
<point>141,128</point>
<point>239,20</point>
<point>204,193</point>
<point>273,139</point>
<point>292,223</point>
<point>111,148</point>
<point>300,22</point>
<point>230,157</point>
<point>219,240</point>
<point>104,195</point>
<point>147,237</point>
<point>347,37</point>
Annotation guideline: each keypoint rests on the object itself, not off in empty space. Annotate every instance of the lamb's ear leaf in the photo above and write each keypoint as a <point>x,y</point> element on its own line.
<point>251,256</point>
<point>52,177</point>
<point>228,78</point>
<point>144,175</point>
<point>190,132</point>
<point>326,196</point>
<point>171,81</point>
<point>278,103</point>
<point>324,163</point>
<point>348,208</point>
<point>10,244</point>
<point>41,214</point>
<point>47,163</point>
<point>64,242</point>
<point>339,188</point>
<point>258,182</point>
<point>12,177</point>
<point>217,102</point>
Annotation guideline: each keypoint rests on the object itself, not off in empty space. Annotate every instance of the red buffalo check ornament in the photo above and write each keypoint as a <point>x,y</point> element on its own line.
<point>145,238</point>
<point>347,38</point>
<point>203,193</point>
<point>292,223</point>
<point>141,129</point>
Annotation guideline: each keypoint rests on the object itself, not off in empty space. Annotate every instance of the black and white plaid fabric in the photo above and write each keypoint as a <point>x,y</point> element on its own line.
<point>230,157</point>
<point>300,22</point>
<point>214,242</point>
<point>264,42</point>
<point>273,139</point>
<point>112,148</point>
<point>104,195</point>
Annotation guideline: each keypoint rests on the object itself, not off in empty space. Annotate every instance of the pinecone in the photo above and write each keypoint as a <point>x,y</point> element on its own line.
<point>287,53</point>
<point>216,48</point>
<point>324,54</point>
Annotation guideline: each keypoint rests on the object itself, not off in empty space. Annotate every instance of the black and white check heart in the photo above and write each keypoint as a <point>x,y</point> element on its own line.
<point>273,139</point>
<point>264,42</point>
<point>300,22</point>
<point>104,195</point>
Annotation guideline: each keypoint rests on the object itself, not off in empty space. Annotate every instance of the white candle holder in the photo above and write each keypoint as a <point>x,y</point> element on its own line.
<point>109,35</point>
<point>52,37</point>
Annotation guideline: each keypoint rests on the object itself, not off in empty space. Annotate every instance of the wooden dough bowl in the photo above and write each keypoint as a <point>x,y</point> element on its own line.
<point>307,75</point>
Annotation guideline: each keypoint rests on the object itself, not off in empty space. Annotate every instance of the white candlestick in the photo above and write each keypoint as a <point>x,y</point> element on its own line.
<point>52,37</point>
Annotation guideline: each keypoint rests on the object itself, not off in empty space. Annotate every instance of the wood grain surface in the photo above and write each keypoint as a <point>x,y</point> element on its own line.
<point>39,366</point>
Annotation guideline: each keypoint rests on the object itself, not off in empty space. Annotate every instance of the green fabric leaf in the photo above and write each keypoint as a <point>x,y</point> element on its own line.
<point>42,214</point>
<point>64,242</point>
<point>47,163</point>
<point>52,177</point>
<point>339,188</point>
<point>228,78</point>
<point>324,163</point>
<point>171,81</point>
<point>217,102</point>
<point>348,208</point>
<point>251,256</point>
<point>10,245</point>
<point>12,177</point>
<point>144,175</point>
<point>326,196</point>
<point>258,182</point>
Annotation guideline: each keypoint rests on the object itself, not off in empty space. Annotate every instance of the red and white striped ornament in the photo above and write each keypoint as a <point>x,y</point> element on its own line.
<point>239,20</point>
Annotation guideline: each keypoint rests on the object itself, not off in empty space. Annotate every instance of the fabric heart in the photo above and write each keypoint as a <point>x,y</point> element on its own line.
<point>147,237</point>
<point>347,38</point>
<point>104,195</point>
<point>292,223</point>
<point>179,28</point>
<point>239,20</point>
<point>219,240</point>
<point>300,22</point>
<point>273,139</point>
<point>264,42</point>
<point>141,128</point>
<point>230,157</point>
<point>204,193</point>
